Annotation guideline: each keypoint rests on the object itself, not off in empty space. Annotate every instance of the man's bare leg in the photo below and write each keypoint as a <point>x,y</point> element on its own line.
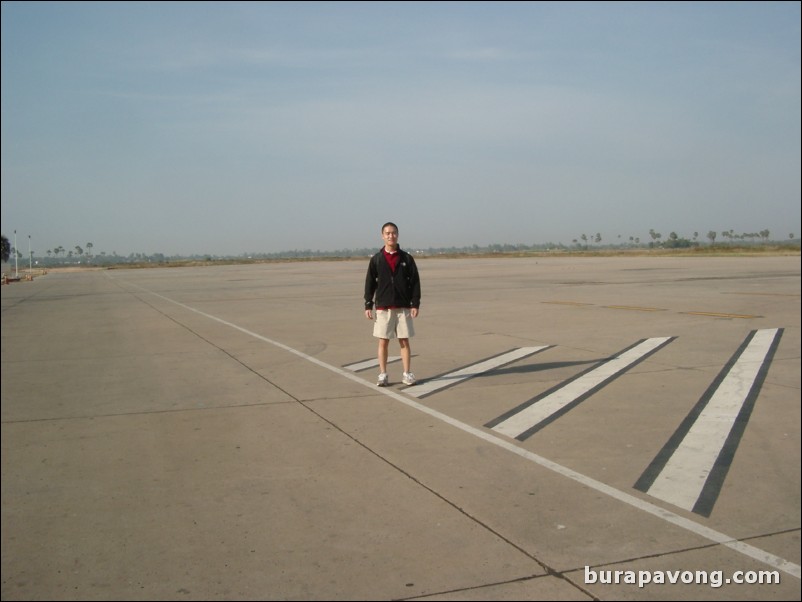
<point>406,354</point>
<point>384,345</point>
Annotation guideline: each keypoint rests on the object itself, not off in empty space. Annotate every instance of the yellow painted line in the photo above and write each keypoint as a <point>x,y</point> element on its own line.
<point>764,294</point>
<point>716,315</point>
<point>634,308</point>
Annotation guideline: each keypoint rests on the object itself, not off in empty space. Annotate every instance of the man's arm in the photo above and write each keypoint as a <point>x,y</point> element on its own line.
<point>370,288</point>
<point>414,283</point>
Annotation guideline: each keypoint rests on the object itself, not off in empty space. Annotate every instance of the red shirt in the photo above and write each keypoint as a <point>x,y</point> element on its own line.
<point>392,259</point>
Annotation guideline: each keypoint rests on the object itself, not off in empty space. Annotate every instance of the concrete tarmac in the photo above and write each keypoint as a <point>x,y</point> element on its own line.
<point>215,433</point>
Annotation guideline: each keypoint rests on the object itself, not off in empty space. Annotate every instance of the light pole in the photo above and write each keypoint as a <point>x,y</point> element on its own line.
<point>30,256</point>
<point>16,271</point>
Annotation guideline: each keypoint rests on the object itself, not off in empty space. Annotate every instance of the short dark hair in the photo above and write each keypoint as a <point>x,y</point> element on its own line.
<point>389,224</point>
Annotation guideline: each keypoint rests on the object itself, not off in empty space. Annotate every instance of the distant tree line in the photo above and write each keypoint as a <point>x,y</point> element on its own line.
<point>78,254</point>
<point>674,241</point>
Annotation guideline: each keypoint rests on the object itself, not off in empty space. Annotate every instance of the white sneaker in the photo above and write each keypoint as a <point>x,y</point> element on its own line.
<point>408,379</point>
<point>383,380</point>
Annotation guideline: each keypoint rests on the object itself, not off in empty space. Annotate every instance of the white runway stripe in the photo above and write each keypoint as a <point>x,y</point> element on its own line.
<point>544,408</point>
<point>684,475</point>
<point>429,386</point>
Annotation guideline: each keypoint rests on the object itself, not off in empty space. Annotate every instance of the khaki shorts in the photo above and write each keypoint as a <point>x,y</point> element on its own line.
<point>391,323</point>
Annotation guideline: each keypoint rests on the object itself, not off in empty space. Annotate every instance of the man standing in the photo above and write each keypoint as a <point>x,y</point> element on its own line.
<point>393,284</point>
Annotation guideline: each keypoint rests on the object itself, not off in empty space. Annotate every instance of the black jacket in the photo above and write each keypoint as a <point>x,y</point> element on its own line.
<point>399,289</point>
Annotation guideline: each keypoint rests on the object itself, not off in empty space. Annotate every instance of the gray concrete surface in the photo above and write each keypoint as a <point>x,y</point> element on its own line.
<point>197,434</point>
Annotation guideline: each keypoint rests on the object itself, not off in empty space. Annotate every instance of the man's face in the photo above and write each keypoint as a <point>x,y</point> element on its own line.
<point>390,236</point>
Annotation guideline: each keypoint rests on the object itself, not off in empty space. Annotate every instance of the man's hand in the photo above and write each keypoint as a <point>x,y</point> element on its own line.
<point>414,312</point>
<point>368,314</point>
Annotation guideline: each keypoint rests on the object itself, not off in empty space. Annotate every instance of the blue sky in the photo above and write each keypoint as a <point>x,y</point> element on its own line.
<point>231,128</point>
